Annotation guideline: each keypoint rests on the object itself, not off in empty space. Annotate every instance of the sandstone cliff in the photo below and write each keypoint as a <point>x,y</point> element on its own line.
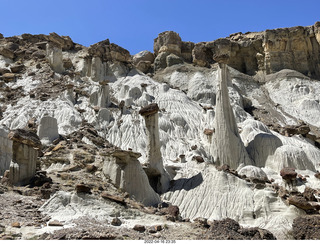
<point>268,52</point>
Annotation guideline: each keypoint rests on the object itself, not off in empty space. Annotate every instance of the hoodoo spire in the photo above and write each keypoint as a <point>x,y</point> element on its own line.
<point>229,148</point>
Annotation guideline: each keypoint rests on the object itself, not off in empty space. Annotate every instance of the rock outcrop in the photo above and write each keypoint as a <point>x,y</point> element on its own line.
<point>5,151</point>
<point>48,129</point>
<point>24,156</point>
<point>229,229</point>
<point>306,228</point>
<point>264,52</point>
<point>54,57</point>
<point>229,148</point>
<point>158,177</point>
<point>143,60</point>
<point>101,98</point>
<point>125,171</point>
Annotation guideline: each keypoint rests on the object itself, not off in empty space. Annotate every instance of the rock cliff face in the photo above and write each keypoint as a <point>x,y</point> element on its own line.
<point>174,127</point>
<point>264,52</point>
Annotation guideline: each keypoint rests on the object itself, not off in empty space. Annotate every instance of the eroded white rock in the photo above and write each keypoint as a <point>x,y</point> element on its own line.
<point>125,171</point>
<point>48,129</point>
<point>229,148</point>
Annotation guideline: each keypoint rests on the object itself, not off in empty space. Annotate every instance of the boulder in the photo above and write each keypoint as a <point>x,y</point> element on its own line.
<point>306,228</point>
<point>199,159</point>
<point>9,77</point>
<point>116,222</point>
<point>167,41</point>
<point>17,68</point>
<point>25,137</point>
<point>143,56</point>
<point>160,61</point>
<point>7,53</point>
<point>203,222</point>
<point>208,132</point>
<point>67,63</point>
<point>140,228</point>
<point>229,229</point>
<point>173,211</point>
<point>300,202</point>
<point>173,59</point>
<point>55,223</point>
<point>107,51</point>
<point>16,225</point>
<point>143,66</point>
<point>119,54</point>
<point>288,173</point>
<point>4,70</point>
<point>82,188</point>
<point>64,42</point>
<point>149,109</point>
<point>117,199</point>
<point>253,172</point>
<point>308,194</point>
<point>201,55</point>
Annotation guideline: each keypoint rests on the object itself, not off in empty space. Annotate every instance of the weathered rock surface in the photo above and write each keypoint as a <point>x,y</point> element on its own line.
<point>25,137</point>
<point>169,42</point>
<point>48,129</point>
<point>158,177</point>
<point>306,228</point>
<point>125,171</point>
<point>288,174</point>
<point>229,229</point>
<point>5,151</point>
<point>229,148</point>
<point>54,57</point>
<point>267,52</point>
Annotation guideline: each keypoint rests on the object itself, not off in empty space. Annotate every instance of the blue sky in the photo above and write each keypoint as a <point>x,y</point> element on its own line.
<point>133,24</point>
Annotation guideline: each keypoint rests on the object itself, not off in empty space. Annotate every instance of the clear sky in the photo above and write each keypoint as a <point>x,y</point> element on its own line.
<point>133,24</point>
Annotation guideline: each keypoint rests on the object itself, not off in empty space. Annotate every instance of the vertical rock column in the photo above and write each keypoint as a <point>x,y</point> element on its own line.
<point>54,56</point>
<point>229,148</point>
<point>5,151</point>
<point>158,177</point>
<point>48,129</point>
<point>101,98</point>
<point>69,93</point>
<point>24,156</point>
<point>104,95</point>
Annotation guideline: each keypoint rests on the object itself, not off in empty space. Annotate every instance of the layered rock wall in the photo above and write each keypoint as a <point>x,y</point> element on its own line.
<point>267,52</point>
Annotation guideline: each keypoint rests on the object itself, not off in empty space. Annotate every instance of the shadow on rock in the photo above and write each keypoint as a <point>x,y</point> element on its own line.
<point>186,183</point>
